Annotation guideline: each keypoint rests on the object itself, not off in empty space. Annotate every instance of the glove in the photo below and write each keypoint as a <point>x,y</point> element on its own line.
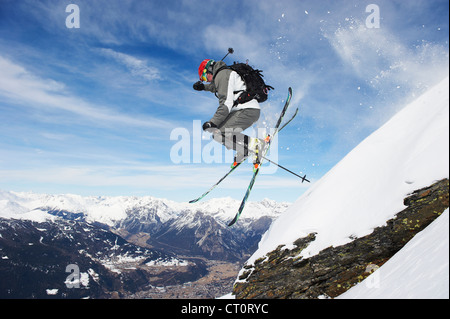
<point>208,125</point>
<point>199,86</point>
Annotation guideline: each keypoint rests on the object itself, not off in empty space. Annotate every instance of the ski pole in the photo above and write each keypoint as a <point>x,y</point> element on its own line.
<point>303,178</point>
<point>230,50</point>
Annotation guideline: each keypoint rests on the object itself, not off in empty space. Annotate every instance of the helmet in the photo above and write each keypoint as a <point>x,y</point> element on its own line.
<point>205,67</point>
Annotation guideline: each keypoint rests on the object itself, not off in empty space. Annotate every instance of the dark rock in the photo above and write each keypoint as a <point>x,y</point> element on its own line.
<point>336,269</point>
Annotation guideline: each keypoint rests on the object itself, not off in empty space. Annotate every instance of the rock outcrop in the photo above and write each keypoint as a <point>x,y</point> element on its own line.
<point>282,274</point>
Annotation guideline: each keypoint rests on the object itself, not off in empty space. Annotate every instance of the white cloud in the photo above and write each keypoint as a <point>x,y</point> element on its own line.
<point>136,178</point>
<point>23,87</point>
<point>277,37</point>
<point>136,66</point>
<point>127,176</point>
<point>236,35</point>
<point>383,61</point>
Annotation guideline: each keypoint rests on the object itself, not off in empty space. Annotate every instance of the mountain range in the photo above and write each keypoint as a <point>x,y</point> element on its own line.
<point>120,244</point>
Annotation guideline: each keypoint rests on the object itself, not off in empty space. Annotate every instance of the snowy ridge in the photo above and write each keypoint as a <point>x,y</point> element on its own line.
<point>110,210</point>
<point>367,187</point>
<point>180,228</point>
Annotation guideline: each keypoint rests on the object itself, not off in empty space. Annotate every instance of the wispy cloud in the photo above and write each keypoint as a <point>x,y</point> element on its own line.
<point>137,179</point>
<point>136,66</point>
<point>47,95</point>
<point>85,105</point>
<point>380,58</point>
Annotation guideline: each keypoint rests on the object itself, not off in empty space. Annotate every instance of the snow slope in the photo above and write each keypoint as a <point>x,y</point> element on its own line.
<point>420,270</point>
<point>368,186</point>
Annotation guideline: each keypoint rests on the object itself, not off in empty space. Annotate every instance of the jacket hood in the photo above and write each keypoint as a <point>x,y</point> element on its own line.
<point>217,66</point>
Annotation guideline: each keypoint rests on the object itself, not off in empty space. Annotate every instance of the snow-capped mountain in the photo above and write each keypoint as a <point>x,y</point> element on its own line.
<point>110,210</point>
<point>191,229</point>
<point>361,193</point>
<point>119,243</point>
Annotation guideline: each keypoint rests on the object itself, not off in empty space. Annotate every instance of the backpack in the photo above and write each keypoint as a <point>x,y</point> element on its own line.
<point>256,88</point>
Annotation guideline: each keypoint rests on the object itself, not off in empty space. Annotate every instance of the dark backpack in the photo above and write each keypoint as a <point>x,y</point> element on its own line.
<point>256,88</point>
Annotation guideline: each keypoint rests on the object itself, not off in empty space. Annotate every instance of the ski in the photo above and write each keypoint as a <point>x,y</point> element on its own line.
<point>255,173</point>
<point>215,185</point>
<point>289,121</point>
<point>233,168</point>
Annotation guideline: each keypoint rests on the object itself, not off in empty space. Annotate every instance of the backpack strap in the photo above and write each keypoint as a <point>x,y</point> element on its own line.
<point>225,67</point>
<point>220,69</point>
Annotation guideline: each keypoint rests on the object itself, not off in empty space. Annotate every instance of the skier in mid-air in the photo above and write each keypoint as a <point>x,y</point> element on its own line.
<point>240,89</point>
<point>234,114</point>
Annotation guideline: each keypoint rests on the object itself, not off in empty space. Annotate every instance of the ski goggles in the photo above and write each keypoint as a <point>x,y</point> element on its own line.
<point>205,67</point>
<point>203,76</point>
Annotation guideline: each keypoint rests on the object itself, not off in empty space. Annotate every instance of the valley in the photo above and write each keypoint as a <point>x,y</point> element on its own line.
<point>218,281</point>
<point>124,247</point>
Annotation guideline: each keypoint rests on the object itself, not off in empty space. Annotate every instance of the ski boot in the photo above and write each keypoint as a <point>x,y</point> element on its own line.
<point>258,147</point>
<point>238,160</point>
<point>256,160</point>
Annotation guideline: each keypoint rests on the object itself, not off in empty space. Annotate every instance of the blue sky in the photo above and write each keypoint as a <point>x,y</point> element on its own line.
<point>90,110</point>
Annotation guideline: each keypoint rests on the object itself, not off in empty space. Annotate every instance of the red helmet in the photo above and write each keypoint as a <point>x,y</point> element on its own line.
<point>205,67</point>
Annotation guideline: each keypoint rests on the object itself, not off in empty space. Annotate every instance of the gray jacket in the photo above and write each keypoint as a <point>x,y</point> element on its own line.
<point>227,85</point>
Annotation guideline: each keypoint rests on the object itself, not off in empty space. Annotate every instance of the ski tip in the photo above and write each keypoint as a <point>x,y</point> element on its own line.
<point>232,223</point>
<point>234,220</point>
<point>193,201</point>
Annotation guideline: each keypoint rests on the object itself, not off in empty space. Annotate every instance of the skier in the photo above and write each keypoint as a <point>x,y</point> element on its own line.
<point>231,118</point>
